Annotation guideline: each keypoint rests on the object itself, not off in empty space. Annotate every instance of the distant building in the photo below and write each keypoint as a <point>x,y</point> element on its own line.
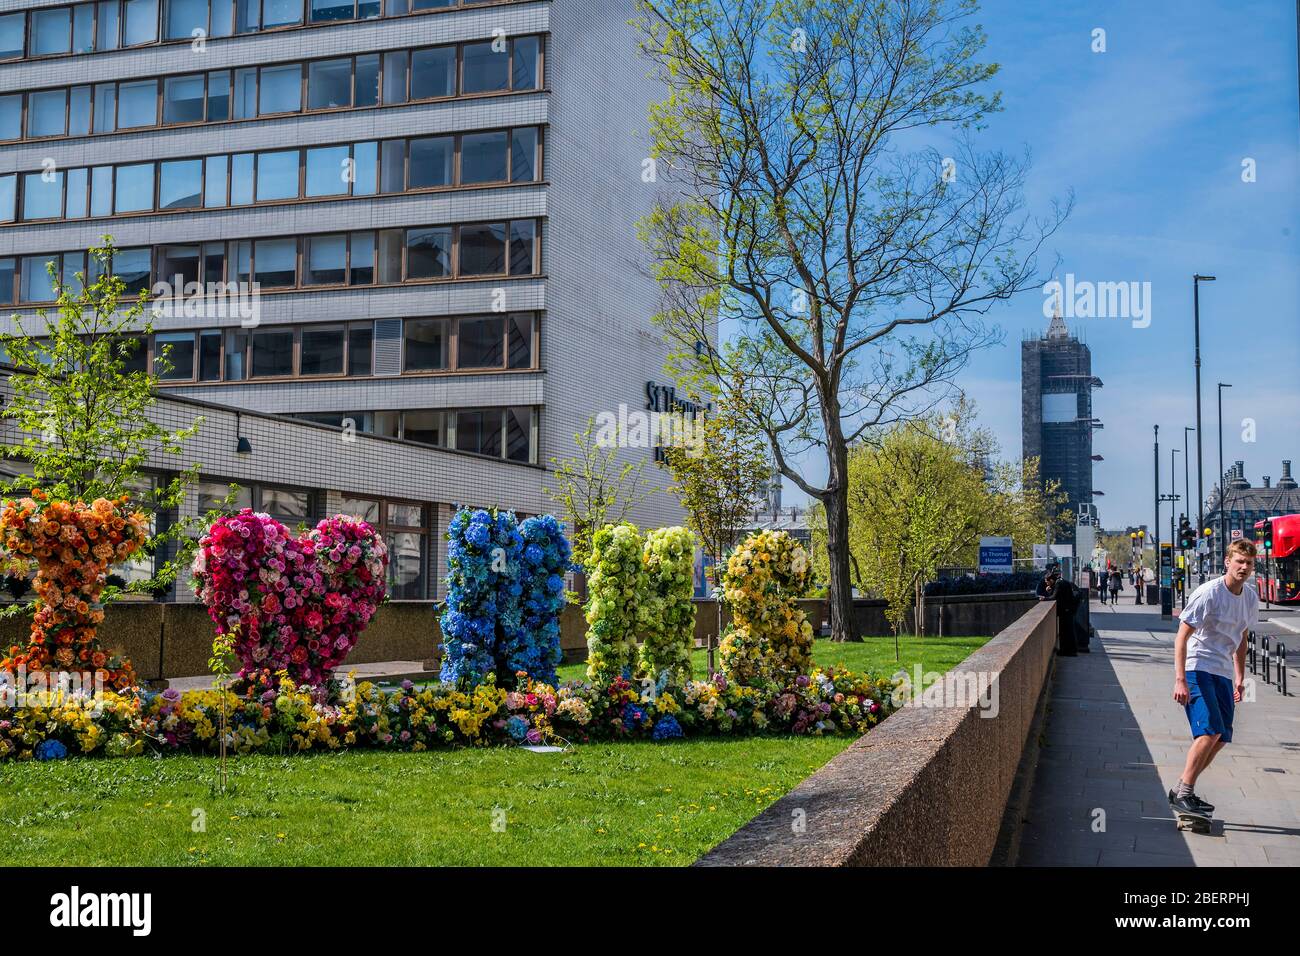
<point>1056,412</point>
<point>1242,504</point>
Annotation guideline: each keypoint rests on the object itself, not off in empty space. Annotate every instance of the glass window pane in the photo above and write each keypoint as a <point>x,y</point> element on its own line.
<point>11,116</point>
<point>75,204</point>
<point>218,96</point>
<point>83,28</point>
<point>526,63</point>
<point>37,283</point>
<point>223,18</point>
<point>523,243</point>
<point>51,31</point>
<point>174,356</point>
<point>479,432</point>
<point>361,508</point>
<point>328,170</point>
<point>276,262</point>
<point>42,198</point>
<point>428,252</point>
<point>433,73</point>
<point>324,11</point>
<point>210,355</point>
<point>137,104</point>
<point>79,111</point>
<point>11,39</point>
<point>424,346</point>
<point>214,183</point>
<point>285,505</point>
<point>101,191</point>
<point>519,434</point>
<point>242,254</point>
<point>236,356</point>
<point>279,13</point>
<point>180,184</point>
<point>134,188</point>
<point>404,515</point>
<point>241,179</point>
<point>277,175</point>
<point>362,256</point>
<point>483,157</point>
<point>480,343</point>
<point>132,267</point>
<point>105,107</point>
<point>388,424</point>
<point>326,260</point>
<point>214,262</point>
<point>46,113</point>
<point>523,155</point>
<point>424,427</point>
<point>248,16</point>
<point>178,266</point>
<point>106,32</point>
<point>395,77</point>
<point>367,80</point>
<point>322,352</point>
<point>483,249</point>
<point>212,496</point>
<point>245,94</point>
<point>390,245</point>
<point>360,344</point>
<point>329,83</point>
<point>140,22</point>
<point>431,161</point>
<point>393,167</point>
<point>183,99</point>
<point>8,198</point>
<point>272,352</point>
<point>281,90</point>
<point>368,9</point>
<point>74,265</point>
<point>406,571</point>
<point>183,17</point>
<point>365,158</point>
<point>485,69</point>
<point>8,287</point>
<point>519,345</point>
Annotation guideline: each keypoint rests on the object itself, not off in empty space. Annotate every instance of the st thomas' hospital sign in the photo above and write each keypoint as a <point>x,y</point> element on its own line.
<point>668,421</point>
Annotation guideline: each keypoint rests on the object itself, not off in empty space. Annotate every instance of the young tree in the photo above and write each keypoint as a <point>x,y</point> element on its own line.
<point>83,415</point>
<point>852,275</point>
<point>594,489</point>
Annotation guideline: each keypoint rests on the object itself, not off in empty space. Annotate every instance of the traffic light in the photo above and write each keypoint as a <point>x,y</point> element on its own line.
<point>1266,533</point>
<point>1186,537</point>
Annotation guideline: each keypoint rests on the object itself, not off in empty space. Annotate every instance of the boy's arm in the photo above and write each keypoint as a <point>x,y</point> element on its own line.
<point>1239,668</point>
<point>1181,694</point>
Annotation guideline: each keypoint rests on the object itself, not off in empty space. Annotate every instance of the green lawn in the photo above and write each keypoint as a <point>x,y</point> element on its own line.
<point>610,804</point>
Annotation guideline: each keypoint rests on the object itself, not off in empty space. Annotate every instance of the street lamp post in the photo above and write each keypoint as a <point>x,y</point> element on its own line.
<point>1200,481</point>
<point>1223,504</point>
<point>1187,489</point>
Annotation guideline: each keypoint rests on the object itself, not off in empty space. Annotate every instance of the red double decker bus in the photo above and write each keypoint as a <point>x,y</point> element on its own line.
<point>1278,578</point>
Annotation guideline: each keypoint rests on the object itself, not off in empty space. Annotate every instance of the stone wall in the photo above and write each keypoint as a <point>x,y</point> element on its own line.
<point>927,787</point>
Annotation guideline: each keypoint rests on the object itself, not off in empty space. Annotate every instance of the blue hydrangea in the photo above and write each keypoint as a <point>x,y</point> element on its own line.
<point>50,750</point>
<point>517,727</point>
<point>666,728</point>
<point>633,716</point>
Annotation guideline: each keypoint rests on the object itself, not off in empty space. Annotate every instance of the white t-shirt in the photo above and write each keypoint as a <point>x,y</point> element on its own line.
<point>1218,617</point>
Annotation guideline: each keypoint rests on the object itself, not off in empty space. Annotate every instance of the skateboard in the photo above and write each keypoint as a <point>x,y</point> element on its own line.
<point>1196,822</point>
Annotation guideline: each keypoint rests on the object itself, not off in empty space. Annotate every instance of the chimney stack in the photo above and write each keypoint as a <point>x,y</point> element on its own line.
<point>1286,481</point>
<point>1268,482</point>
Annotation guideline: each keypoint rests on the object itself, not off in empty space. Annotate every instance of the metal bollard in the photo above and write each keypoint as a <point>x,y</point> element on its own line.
<point>1281,668</point>
<point>1250,650</point>
<point>1266,661</point>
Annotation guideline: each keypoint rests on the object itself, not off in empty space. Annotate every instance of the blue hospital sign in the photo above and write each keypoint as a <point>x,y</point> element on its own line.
<point>995,555</point>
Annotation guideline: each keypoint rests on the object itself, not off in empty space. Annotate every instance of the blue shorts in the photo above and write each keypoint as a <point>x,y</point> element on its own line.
<point>1209,706</point>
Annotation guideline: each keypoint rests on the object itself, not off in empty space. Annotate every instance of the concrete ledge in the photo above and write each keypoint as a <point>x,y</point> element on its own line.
<point>928,787</point>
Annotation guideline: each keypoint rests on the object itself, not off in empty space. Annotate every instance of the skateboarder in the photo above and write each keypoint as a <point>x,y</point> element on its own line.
<point>1210,667</point>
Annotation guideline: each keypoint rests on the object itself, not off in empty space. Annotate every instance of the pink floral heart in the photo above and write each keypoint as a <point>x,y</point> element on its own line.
<point>297,603</point>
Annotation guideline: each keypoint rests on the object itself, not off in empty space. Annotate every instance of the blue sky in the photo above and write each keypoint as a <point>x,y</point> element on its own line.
<point>1151,135</point>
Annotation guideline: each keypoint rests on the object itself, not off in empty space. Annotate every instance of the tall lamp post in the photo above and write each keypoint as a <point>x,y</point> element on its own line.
<point>1187,490</point>
<point>1223,503</point>
<point>1200,480</point>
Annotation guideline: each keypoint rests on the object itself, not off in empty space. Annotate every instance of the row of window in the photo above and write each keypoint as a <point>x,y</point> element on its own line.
<point>115,24</point>
<point>240,179</point>
<point>468,343</point>
<point>349,82</point>
<point>509,433</point>
<point>362,258</point>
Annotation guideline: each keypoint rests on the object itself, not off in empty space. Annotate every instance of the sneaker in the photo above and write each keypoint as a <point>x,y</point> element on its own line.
<point>1186,805</point>
<point>1207,807</point>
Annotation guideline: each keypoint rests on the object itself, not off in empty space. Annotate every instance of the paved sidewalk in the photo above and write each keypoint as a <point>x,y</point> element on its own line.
<point>1114,743</point>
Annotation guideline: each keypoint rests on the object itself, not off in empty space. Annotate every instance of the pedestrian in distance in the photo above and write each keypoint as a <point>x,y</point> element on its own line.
<point>1055,588</point>
<point>1116,585</point>
<point>1210,671</point>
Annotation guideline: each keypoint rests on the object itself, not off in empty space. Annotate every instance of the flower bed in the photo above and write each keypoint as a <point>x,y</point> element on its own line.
<point>271,714</point>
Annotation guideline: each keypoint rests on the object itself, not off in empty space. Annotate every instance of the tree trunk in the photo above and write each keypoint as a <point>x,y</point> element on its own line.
<point>836,502</point>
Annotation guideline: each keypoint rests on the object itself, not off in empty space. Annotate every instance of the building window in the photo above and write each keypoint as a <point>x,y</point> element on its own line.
<point>433,73</point>
<point>485,70</point>
<point>425,345</point>
<point>272,353</point>
<point>277,175</point>
<point>432,162</point>
<point>326,260</point>
<point>479,432</point>
<point>51,31</point>
<point>428,252</point>
<point>322,351</point>
<point>42,199</point>
<point>180,184</point>
<point>182,18</point>
<point>424,427</point>
<point>329,170</point>
<point>11,36</point>
<point>275,262</point>
<point>47,113</point>
<point>139,22</point>
<point>183,99</point>
<point>403,527</point>
<point>360,349</point>
<point>174,356</point>
<point>480,343</point>
<point>280,90</point>
<point>11,116</point>
<point>137,104</point>
<point>484,157</point>
<point>329,84</point>
<point>483,249</point>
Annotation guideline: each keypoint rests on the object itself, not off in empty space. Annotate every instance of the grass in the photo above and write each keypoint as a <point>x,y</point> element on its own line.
<point>600,804</point>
